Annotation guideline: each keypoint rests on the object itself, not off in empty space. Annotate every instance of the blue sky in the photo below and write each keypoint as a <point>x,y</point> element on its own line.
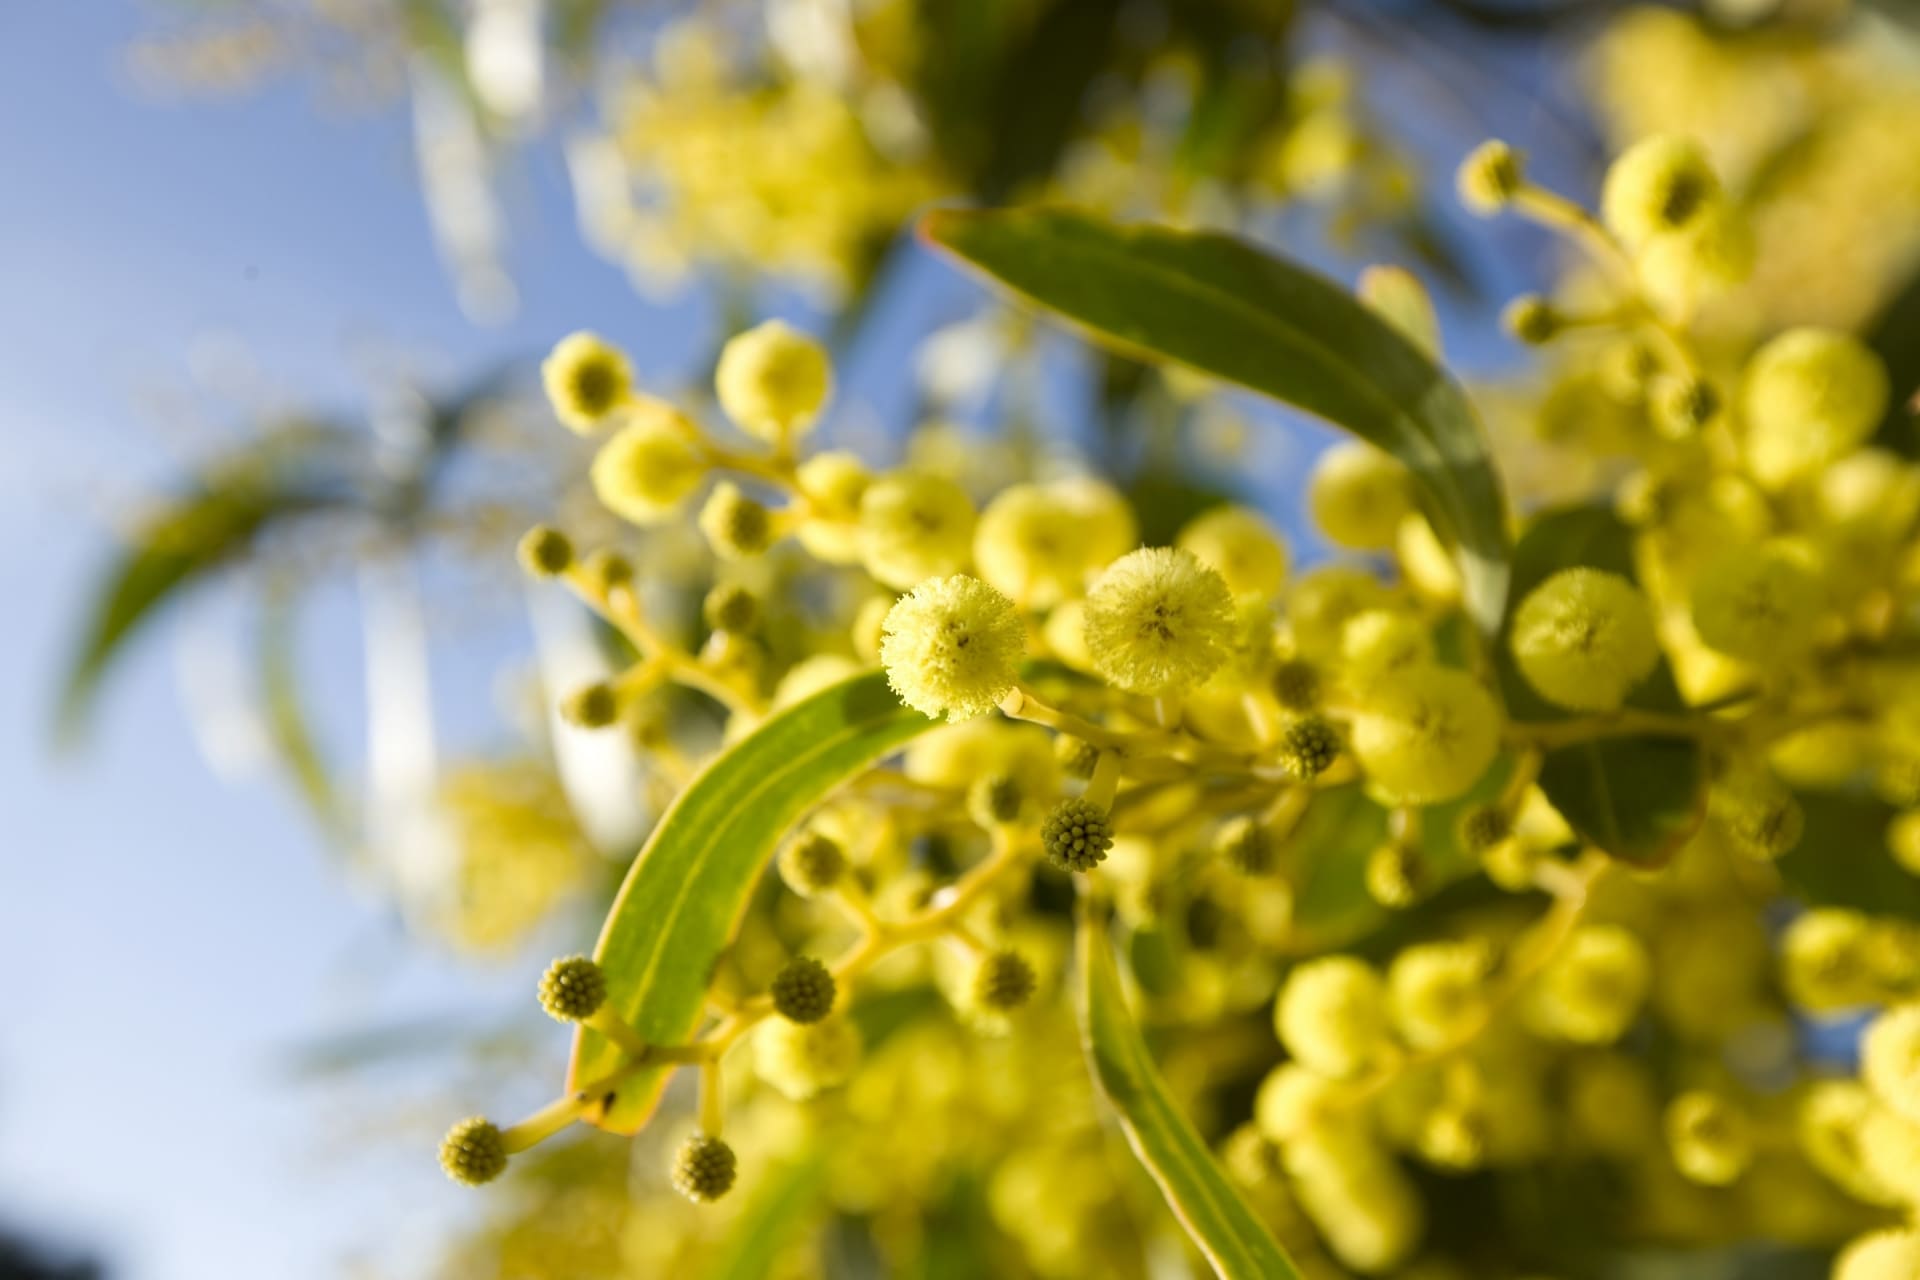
<point>169,934</point>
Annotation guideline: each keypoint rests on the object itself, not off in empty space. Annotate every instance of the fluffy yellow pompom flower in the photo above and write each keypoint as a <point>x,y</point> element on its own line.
<point>1378,643</point>
<point>1241,547</point>
<point>587,380</point>
<point>650,466</point>
<point>914,526</point>
<point>1657,186</point>
<point>1584,638</point>
<point>952,645</point>
<point>1427,734</point>
<point>1592,990</point>
<point>1711,1138</point>
<point>1892,1254</point>
<point>832,484</point>
<point>1438,992</point>
<point>1032,542</point>
<point>1358,495</point>
<point>1806,398</point>
<point>1158,620</point>
<point>1825,960</point>
<point>1332,1016</point>
<point>1759,603</point>
<point>772,380</point>
<point>1890,1059</point>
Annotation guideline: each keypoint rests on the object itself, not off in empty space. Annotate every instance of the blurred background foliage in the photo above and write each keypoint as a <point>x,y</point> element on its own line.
<point>772,154</point>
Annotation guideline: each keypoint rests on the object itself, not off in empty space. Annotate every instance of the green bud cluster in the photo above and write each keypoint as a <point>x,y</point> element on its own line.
<point>1076,835</point>
<point>573,989</point>
<point>803,991</point>
<point>473,1152</point>
<point>704,1169</point>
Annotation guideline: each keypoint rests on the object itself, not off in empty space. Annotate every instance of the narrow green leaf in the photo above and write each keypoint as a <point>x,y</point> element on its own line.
<point>286,714</point>
<point>1236,1244</point>
<point>1226,308</point>
<point>1397,294</point>
<point>1636,798</point>
<point>190,540</point>
<point>687,889</point>
<point>1843,859</point>
<point>786,1196</point>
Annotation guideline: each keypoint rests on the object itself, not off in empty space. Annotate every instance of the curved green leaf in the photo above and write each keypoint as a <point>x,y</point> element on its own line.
<point>1843,860</point>
<point>1635,798</point>
<point>1218,1221</point>
<point>1226,308</point>
<point>686,891</point>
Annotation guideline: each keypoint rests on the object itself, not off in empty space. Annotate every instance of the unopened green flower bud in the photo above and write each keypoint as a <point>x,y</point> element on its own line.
<point>996,799</point>
<point>736,526</point>
<point>1296,685</point>
<point>1245,846</point>
<point>1396,875</point>
<point>1490,177</point>
<point>545,551</point>
<point>1003,982</point>
<point>1077,757</point>
<point>1683,406</point>
<point>1307,746</point>
<point>593,707</point>
<point>473,1152</point>
<point>573,989</point>
<point>731,608</point>
<point>606,569</point>
<point>704,1169</point>
<point>1482,827</point>
<point>1531,319</point>
<point>812,864</point>
<point>803,991</point>
<point>1076,835</point>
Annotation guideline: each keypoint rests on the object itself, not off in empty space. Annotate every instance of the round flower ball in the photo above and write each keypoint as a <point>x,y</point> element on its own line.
<point>952,646</point>
<point>1584,638</point>
<point>1358,495</point>
<point>1158,620</point>
<point>650,466</point>
<point>1760,603</point>
<point>1807,397</point>
<point>1426,735</point>
<point>772,380</point>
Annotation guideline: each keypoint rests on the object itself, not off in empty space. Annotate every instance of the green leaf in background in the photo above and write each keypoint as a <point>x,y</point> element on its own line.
<point>1226,308</point>
<point>688,887</point>
<point>1236,1244</point>
<point>786,1196</point>
<point>1843,860</point>
<point>1639,798</point>
<point>1894,336</point>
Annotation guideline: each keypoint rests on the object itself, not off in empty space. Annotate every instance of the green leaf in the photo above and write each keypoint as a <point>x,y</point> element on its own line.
<point>1228,309</point>
<point>1894,336</point>
<point>1636,798</point>
<point>1843,860</point>
<point>1402,301</point>
<point>687,889</point>
<point>288,725</point>
<point>1236,1244</point>
<point>786,1196</point>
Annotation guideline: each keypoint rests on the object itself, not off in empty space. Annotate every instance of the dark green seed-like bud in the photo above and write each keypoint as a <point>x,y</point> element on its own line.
<point>1683,406</point>
<point>473,1152</point>
<point>605,569</point>
<point>1076,835</point>
<point>1531,319</point>
<point>704,1169</point>
<point>573,988</point>
<point>1396,875</point>
<point>731,608</point>
<point>1482,827</point>
<point>1490,177</point>
<point>1308,746</point>
<point>594,707</point>
<point>1077,758</point>
<point>1296,685</point>
<point>1245,845</point>
<point>736,526</point>
<point>545,551</point>
<point>1003,982</point>
<point>812,863</point>
<point>803,991</point>
<point>996,799</point>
